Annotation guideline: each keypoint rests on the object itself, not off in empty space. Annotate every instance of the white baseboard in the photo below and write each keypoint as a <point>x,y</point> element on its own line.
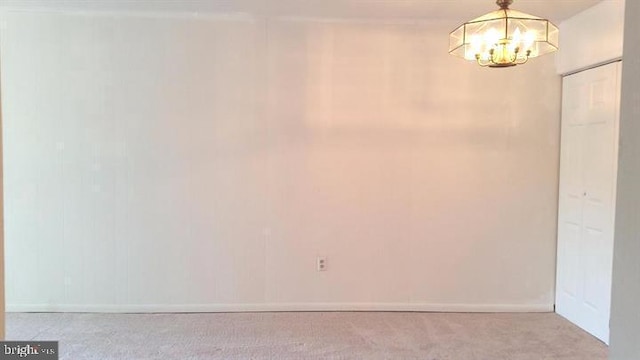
<point>266,307</point>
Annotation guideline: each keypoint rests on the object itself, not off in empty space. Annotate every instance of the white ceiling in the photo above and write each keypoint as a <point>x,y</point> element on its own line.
<point>378,9</point>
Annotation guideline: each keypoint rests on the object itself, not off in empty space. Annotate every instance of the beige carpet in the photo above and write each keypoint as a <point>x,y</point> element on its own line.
<point>424,336</point>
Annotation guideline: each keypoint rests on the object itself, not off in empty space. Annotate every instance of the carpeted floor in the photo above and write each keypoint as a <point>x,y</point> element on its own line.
<point>340,335</point>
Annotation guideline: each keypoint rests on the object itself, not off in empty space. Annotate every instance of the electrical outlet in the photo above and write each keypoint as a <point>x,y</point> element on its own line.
<point>321,263</point>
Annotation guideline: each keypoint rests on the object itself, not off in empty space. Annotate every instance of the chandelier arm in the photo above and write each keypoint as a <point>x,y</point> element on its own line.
<point>514,57</point>
<point>483,63</point>
<point>526,58</point>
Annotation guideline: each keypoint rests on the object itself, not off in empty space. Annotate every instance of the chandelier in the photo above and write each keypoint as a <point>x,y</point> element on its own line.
<point>503,38</point>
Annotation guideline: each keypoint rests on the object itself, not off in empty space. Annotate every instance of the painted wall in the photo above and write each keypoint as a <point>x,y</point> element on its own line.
<point>592,37</point>
<point>625,318</point>
<point>2,279</point>
<point>202,163</point>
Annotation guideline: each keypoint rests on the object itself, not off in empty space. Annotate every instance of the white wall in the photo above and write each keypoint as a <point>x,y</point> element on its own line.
<point>2,280</point>
<point>625,318</point>
<point>202,163</point>
<point>592,37</point>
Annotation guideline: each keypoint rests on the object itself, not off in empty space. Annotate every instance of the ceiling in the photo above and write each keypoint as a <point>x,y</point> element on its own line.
<point>367,9</point>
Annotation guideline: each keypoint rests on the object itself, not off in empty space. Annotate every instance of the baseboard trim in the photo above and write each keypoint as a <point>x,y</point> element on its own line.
<point>277,307</point>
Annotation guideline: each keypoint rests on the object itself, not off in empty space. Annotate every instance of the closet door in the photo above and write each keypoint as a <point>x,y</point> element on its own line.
<point>588,169</point>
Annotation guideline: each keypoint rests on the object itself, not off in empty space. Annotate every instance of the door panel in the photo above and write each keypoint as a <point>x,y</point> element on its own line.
<point>571,234</point>
<point>588,168</point>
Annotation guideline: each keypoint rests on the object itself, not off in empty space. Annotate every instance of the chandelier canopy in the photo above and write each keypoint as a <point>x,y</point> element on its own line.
<point>504,37</point>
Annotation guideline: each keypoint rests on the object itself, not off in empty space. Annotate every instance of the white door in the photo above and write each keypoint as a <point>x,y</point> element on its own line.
<point>588,172</point>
